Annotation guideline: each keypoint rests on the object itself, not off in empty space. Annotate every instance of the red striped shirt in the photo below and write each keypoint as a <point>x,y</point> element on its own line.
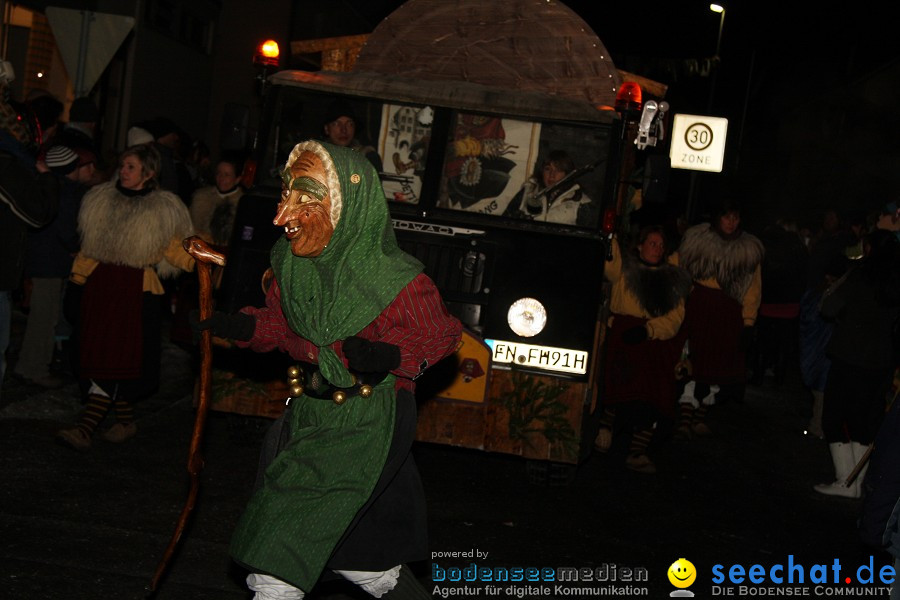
<point>416,321</point>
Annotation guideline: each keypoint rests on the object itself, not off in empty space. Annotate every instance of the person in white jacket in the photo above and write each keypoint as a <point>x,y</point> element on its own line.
<point>560,205</point>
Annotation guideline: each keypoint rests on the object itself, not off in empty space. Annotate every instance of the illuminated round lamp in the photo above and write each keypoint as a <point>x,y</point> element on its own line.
<point>527,317</point>
<point>628,97</point>
<point>267,54</point>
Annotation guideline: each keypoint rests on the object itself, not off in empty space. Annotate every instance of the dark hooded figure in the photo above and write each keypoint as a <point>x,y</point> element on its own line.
<point>864,305</point>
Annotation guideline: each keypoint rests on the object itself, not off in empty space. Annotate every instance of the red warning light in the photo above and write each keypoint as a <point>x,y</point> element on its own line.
<point>628,97</point>
<point>267,53</point>
<point>609,221</point>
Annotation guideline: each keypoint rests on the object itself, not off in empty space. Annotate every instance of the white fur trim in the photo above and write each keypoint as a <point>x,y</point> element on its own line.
<point>732,263</point>
<point>132,231</point>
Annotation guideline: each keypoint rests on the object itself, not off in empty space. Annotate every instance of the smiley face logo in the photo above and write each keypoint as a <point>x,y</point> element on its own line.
<point>682,573</point>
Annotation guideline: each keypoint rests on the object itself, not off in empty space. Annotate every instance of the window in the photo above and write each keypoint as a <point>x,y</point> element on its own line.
<point>524,170</point>
<point>403,145</point>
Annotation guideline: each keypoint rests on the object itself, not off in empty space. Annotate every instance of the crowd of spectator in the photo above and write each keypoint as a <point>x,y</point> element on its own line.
<point>130,208</point>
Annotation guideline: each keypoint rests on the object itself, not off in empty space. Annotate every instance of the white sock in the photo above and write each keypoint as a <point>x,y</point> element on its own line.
<point>96,390</point>
<point>377,583</point>
<point>271,588</point>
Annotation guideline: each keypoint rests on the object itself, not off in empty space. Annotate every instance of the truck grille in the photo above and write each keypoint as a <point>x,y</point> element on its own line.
<point>459,273</point>
<point>454,269</point>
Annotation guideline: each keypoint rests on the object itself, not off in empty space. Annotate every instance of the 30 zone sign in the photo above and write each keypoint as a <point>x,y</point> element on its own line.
<point>698,142</point>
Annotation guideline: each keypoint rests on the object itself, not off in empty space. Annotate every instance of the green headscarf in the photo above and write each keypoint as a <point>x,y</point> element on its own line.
<point>336,294</point>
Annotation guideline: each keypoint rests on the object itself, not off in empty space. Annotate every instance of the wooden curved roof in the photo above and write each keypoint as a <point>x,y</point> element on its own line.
<point>525,45</point>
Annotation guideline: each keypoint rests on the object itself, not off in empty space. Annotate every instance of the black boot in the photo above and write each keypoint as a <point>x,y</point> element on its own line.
<point>407,588</point>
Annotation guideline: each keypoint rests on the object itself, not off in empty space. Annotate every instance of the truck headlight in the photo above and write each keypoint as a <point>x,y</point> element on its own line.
<point>527,317</point>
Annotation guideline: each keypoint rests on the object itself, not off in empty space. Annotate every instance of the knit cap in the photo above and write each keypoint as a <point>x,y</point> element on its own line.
<point>337,109</point>
<point>138,135</point>
<point>61,160</point>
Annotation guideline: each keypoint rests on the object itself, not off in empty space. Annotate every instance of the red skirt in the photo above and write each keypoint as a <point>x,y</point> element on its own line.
<point>713,322</point>
<point>111,327</point>
<point>643,372</point>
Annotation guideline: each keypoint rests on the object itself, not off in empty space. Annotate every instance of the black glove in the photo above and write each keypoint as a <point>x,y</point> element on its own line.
<point>745,341</point>
<point>634,335</point>
<point>237,326</point>
<point>371,357</point>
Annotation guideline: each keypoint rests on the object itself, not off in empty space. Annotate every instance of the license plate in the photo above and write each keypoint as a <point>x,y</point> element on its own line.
<point>539,357</point>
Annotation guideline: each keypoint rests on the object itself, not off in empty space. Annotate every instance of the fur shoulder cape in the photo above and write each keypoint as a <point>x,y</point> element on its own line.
<point>731,262</point>
<point>132,231</point>
<point>658,289</point>
<point>213,212</point>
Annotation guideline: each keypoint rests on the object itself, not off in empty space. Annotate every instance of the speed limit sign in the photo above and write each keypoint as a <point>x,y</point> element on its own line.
<point>698,142</point>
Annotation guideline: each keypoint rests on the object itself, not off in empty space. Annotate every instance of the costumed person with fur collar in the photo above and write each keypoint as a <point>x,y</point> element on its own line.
<point>131,235</point>
<point>643,343</point>
<point>340,492</point>
<point>724,262</point>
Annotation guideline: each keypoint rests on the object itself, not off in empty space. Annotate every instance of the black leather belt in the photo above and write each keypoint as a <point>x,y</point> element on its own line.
<point>307,379</point>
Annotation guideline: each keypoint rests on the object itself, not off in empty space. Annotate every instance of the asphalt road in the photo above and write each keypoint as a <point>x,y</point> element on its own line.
<point>94,525</point>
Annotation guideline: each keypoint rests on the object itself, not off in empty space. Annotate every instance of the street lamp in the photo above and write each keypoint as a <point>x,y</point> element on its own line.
<point>717,8</point>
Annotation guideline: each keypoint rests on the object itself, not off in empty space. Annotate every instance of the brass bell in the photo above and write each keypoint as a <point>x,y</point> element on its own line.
<point>296,390</point>
<point>339,397</point>
<point>293,372</point>
<point>365,390</point>
<point>293,382</point>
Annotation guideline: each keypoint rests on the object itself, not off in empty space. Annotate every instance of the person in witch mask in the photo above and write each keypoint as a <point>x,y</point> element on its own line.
<point>340,491</point>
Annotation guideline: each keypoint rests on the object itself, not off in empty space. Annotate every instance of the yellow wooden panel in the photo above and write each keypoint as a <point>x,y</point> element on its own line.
<point>473,374</point>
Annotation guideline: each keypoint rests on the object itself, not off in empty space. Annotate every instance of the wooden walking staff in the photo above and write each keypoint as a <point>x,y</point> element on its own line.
<point>859,466</point>
<point>205,257</point>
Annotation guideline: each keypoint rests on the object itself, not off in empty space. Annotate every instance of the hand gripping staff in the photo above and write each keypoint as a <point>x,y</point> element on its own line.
<point>205,256</point>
